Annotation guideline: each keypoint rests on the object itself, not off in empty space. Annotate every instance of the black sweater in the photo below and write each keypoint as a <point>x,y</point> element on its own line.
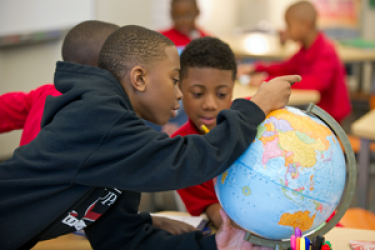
<point>94,156</point>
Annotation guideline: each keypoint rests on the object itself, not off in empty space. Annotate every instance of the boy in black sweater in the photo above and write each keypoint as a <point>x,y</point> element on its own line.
<point>94,155</point>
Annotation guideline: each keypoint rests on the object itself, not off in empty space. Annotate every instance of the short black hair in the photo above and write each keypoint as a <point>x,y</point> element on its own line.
<point>131,45</point>
<point>83,42</point>
<point>208,52</point>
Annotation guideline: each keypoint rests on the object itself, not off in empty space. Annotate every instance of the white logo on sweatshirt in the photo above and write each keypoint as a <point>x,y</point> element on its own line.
<point>93,212</point>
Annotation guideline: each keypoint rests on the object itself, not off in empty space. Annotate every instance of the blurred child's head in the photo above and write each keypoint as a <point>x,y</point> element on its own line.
<point>83,42</point>
<point>184,13</point>
<point>301,20</point>
<point>147,65</point>
<point>208,71</point>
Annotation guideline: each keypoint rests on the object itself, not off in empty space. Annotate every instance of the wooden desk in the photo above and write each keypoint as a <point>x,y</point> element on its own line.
<point>339,237</point>
<point>66,242</point>
<point>267,47</point>
<point>363,129</point>
<point>297,98</point>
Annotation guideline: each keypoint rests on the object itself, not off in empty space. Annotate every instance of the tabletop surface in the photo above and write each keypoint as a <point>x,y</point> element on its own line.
<point>261,46</point>
<point>363,126</point>
<point>339,237</point>
<point>298,97</point>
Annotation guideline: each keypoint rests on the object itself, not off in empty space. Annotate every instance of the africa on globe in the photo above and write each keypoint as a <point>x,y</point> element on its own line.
<point>292,175</point>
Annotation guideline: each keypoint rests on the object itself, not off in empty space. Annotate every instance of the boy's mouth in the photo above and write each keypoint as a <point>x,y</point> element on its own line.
<point>174,111</point>
<point>176,108</point>
<point>208,120</point>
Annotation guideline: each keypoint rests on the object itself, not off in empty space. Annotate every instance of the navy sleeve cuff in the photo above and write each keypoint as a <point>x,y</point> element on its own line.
<point>249,109</point>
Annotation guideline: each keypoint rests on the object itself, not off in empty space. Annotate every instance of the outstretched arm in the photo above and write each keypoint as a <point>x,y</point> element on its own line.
<point>278,68</point>
<point>139,159</point>
<point>14,108</point>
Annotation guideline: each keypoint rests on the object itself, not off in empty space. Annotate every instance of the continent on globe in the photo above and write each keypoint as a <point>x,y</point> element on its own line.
<point>300,219</point>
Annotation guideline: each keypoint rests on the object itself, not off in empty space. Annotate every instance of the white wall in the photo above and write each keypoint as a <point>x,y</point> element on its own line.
<point>124,12</point>
<point>18,16</point>
<point>217,16</point>
<point>272,11</point>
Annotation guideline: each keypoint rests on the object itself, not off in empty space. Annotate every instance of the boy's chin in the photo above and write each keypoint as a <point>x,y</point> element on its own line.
<point>162,119</point>
<point>161,122</point>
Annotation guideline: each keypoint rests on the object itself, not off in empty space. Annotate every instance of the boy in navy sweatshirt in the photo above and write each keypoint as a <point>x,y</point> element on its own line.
<point>94,154</point>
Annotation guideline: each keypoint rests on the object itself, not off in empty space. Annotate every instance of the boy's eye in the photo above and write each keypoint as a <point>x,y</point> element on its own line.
<point>197,94</point>
<point>176,81</point>
<point>222,95</point>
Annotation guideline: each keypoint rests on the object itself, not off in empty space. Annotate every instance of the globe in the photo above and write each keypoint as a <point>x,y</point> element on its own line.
<point>292,175</point>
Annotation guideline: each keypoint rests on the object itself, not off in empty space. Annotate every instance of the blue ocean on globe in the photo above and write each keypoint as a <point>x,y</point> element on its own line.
<point>292,175</point>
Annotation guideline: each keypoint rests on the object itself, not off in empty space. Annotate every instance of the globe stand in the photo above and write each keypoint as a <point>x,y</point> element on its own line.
<point>348,193</point>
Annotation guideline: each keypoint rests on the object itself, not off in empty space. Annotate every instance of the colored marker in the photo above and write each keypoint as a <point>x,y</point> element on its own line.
<point>325,247</point>
<point>298,232</point>
<point>205,129</point>
<point>298,243</point>
<point>328,243</point>
<point>317,242</point>
<point>293,242</point>
<point>307,243</point>
<point>302,243</point>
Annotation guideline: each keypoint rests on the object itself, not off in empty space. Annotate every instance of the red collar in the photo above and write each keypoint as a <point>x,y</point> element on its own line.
<point>314,49</point>
<point>187,129</point>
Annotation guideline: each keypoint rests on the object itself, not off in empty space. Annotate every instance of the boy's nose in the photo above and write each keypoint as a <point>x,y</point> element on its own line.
<point>209,103</point>
<point>179,94</point>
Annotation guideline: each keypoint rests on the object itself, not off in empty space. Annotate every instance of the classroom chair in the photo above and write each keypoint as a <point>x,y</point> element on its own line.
<point>355,142</point>
<point>358,218</point>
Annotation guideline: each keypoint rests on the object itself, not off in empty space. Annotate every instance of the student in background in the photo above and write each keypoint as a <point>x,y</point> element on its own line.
<point>19,110</point>
<point>94,153</point>
<point>208,71</point>
<point>317,62</point>
<point>184,13</point>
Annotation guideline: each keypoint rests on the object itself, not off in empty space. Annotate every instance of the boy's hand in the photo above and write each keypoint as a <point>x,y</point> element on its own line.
<point>229,237</point>
<point>275,93</point>
<point>173,226</point>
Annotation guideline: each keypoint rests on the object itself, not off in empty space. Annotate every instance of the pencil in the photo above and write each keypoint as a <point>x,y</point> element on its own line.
<point>205,129</point>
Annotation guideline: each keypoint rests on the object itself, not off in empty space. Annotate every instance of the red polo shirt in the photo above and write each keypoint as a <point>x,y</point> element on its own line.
<point>320,69</point>
<point>24,110</point>
<point>178,38</point>
<point>196,198</point>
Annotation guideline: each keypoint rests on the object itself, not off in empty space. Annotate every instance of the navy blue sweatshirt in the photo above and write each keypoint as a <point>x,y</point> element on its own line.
<point>93,157</point>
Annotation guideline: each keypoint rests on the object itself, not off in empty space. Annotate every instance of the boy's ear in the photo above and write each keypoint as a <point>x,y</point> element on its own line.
<point>138,78</point>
